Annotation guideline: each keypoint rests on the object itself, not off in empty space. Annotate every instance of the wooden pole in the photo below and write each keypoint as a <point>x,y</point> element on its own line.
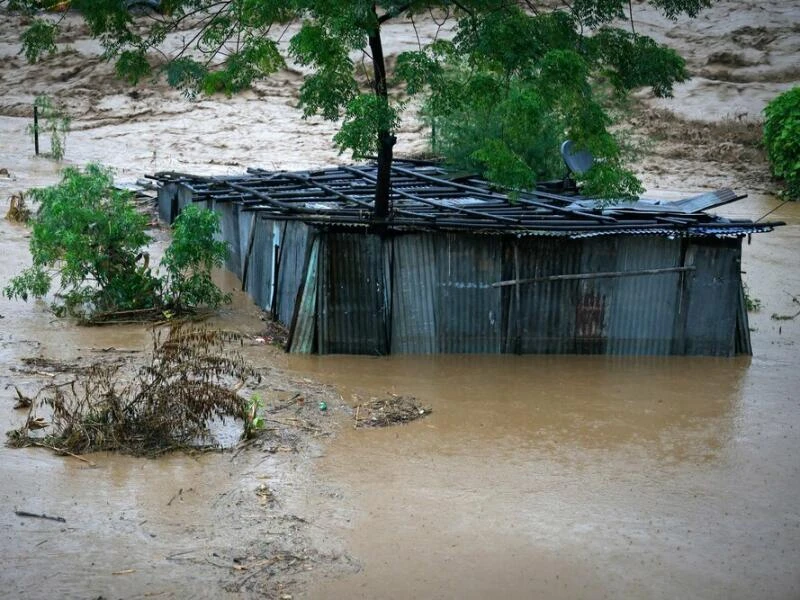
<point>36,129</point>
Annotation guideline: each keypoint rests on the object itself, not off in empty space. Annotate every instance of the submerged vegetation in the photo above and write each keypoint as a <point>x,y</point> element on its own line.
<point>89,237</point>
<point>782,139</point>
<point>54,122</point>
<point>191,378</point>
<point>18,209</point>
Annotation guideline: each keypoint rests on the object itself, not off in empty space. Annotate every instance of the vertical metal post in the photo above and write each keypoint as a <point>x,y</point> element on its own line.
<point>517,303</point>
<point>36,129</point>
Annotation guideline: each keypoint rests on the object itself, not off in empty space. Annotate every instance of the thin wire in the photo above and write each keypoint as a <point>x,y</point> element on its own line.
<point>771,211</point>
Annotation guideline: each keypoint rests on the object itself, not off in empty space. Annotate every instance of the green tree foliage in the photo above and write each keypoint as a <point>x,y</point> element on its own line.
<point>555,66</point>
<point>90,239</point>
<point>782,139</point>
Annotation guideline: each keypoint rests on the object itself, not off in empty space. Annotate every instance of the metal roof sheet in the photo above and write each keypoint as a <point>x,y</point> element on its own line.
<point>424,198</point>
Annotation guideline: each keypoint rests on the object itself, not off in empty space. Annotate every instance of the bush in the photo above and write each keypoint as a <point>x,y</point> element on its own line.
<point>190,258</point>
<point>782,139</point>
<point>511,139</point>
<point>89,236</point>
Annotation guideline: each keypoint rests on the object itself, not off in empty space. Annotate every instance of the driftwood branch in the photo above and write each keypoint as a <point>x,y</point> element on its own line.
<point>25,513</point>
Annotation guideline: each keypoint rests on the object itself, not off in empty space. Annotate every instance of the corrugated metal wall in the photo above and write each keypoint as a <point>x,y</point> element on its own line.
<point>229,232</point>
<point>468,309</point>
<point>259,268</point>
<point>436,292</point>
<point>414,295</point>
<point>352,298</point>
<point>167,202</point>
<point>421,293</point>
<point>293,248</point>
<point>542,315</point>
<point>247,221</point>
<point>712,297</point>
<point>303,326</point>
<point>641,310</point>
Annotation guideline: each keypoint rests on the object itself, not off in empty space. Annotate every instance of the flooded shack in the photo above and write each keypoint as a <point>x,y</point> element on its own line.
<point>459,267</point>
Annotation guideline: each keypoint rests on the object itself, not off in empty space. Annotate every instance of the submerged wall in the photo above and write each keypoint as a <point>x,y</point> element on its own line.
<point>347,291</point>
<point>438,292</point>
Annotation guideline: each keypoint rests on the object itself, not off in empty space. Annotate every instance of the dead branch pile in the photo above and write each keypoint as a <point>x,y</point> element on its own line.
<point>382,412</point>
<point>18,211</point>
<point>166,404</point>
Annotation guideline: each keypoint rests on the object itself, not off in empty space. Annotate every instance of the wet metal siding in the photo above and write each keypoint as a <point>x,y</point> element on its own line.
<point>436,292</point>
<point>167,202</point>
<point>293,248</point>
<point>246,223</point>
<point>542,315</point>
<point>468,308</point>
<point>713,292</point>
<point>642,310</point>
<point>172,198</point>
<point>260,263</point>
<point>352,298</point>
<point>433,292</point>
<point>414,293</point>
<point>303,326</point>
<point>229,232</point>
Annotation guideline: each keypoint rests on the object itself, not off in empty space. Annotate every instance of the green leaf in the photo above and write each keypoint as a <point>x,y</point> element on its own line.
<point>39,39</point>
<point>366,117</point>
<point>782,139</point>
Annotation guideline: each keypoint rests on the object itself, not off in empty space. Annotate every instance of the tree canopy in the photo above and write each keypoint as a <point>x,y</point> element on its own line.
<point>513,80</point>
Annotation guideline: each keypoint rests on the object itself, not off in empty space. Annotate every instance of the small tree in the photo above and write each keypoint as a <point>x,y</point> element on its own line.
<point>88,236</point>
<point>782,139</point>
<point>554,57</point>
<point>54,121</point>
<point>190,259</point>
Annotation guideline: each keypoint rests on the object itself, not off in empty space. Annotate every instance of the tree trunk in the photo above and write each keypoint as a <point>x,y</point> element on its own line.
<point>386,140</point>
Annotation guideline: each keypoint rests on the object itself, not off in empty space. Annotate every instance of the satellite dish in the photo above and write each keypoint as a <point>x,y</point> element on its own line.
<point>578,162</point>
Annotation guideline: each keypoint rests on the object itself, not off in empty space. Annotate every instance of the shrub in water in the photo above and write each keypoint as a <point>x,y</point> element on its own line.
<point>782,139</point>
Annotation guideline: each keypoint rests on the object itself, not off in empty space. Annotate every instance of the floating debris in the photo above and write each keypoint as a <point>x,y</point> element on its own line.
<point>18,211</point>
<point>166,404</point>
<point>382,412</point>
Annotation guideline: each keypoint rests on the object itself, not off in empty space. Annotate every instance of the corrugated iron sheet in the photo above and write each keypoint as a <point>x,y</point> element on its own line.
<point>426,292</point>
<point>543,315</point>
<point>643,311</point>
<point>414,294</point>
<point>303,332</point>
<point>168,201</point>
<point>229,232</point>
<point>245,226</point>
<point>713,291</point>
<point>260,264</point>
<point>352,299</point>
<point>294,242</point>
<point>468,308</point>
